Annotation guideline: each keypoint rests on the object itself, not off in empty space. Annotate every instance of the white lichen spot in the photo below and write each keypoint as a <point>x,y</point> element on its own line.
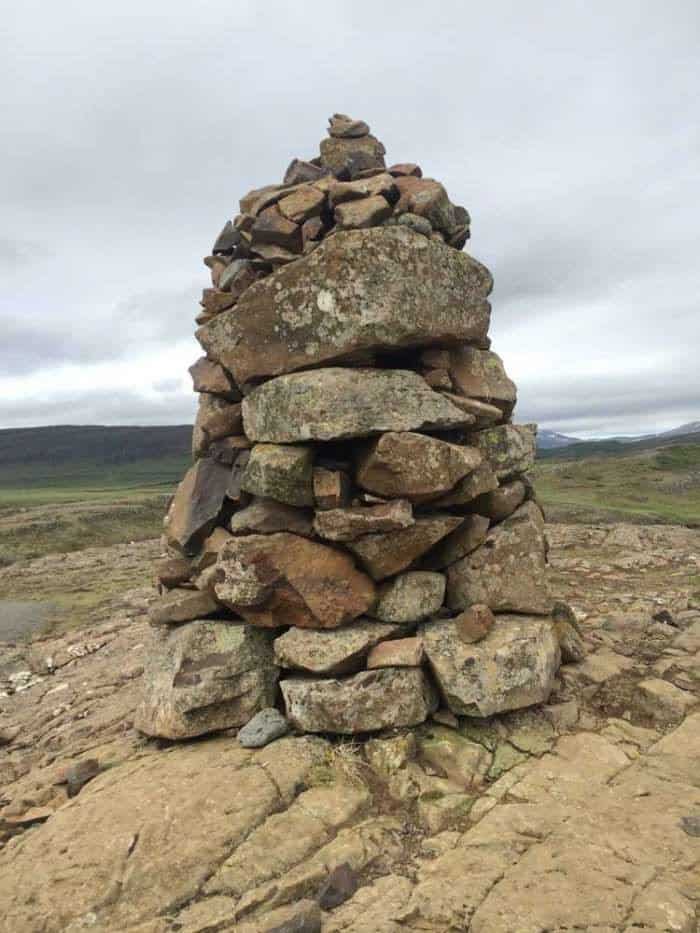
<point>325,301</point>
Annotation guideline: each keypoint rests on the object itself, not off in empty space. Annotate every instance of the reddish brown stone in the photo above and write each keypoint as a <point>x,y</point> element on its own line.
<point>273,229</point>
<point>331,488</point>
<point>474,624</point>
<point>214,301</point>
<point>404,169</point>
<point>302,204</point>
<point>359,215</point>
<point>401,652</point>
<point>383,555</point>
<point>208,376</point>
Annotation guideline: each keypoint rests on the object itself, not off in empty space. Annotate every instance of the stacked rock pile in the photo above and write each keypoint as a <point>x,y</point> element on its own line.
<point>357,542</point>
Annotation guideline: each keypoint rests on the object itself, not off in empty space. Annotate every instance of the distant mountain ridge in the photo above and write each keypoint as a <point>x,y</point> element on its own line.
<point>551,440</point>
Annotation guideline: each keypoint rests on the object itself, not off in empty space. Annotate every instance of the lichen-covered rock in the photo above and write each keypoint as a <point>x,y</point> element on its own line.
<point>282,473</point>
<point>335,403</point>
<point>399,652</point>
<point>308,584</point>
<point>348,155</point>
<point>508,448</point>
<point>413,466</point>
<point>332,652</point>
<point>343,298</point>
<point>206,676</point>
<point>482,480</point>
<point>410,597</point>
<point>208,376</point>
<point>368,701</point>
<point>507,573</point>
<point>467,538</point>
<point>196,505</point>
<point>502,502</point>
<point>265,517</point>
<point>383,555</point>
<point>480,374</point>
<point>354,522</point>
<point>512,667</point>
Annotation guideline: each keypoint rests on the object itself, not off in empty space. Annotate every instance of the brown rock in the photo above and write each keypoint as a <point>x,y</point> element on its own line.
<point>196,505</point>
<point>348,524</point>
<point>410,597</point>
<point>359,215</point>
<point>211,548</point>
<point>429,199</point>
<point>332,652</point>
<point>208,376</point>
<point>312,230</point>
<point>239,276</point>
<point>474,623</point>
<point>331,488</point>
<point>265,516</point>
<point>378,185</point>
<point>348,157</point>
<point>272,228</point>
<point>343,298</point>
<point>467,538</point>
<point>180,605</point>
<point>216,418</point>
<point>401,652</point>
<point>405,168</point>
<point>480,374</point>
<point>283,473</point>
<point>502,502</point>
<point>302,204</point>
<point>299,172</point>
<point>414,466</point>
<point>508,449</point>
<point>482,480</point>
<point>228,449</point>
<point>383,555</point>
<point>172,571</point>
<point>440,379</point>
<point>341,884</point>
<point>507,573</point>
<point>484,414</point>
<point>342,126</point>
<point>312,585</point>
<point>216,265</point>
<point>234,490</point>
<point>276,255</point>
<point>215,301</point>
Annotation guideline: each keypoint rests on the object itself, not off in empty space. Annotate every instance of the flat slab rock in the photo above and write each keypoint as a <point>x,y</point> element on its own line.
<point>366,702</point>
<point>512,667</point>
<point>332,652</point>
<point>383,555</point>
<point>205,676</point>
<point>336,403</point>
<point>343,298</point>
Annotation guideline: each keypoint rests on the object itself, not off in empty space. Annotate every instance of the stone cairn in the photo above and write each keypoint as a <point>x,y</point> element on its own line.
<point>356,543</point>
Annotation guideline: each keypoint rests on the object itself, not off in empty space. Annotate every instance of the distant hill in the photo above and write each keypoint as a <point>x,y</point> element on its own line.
<point>550,441</point>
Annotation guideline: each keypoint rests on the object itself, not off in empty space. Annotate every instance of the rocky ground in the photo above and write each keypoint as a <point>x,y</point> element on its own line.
<point>581,815</point>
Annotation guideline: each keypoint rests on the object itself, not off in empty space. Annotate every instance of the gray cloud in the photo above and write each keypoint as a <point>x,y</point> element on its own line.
<point>570,132</point>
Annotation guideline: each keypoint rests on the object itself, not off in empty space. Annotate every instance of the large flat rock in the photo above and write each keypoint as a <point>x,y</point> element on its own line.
<point>336,403</point>
<point>332,652</point>
<point>205,676</point>
<point>512,667</point>
<point>344,298</point>
<point>366,702</point>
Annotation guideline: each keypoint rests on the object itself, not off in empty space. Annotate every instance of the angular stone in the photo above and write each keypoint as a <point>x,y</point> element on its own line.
<point>241,584</point>
<point>172,571</point>
<point>311,230</point>
<point>508,448</point>
<point>208,376</point>
<point>196,505</point>
<point>507,573</point>
<point>383,555</point>
<point>310,585</point>
<point>480,374</point>
<point>266,726</point>
<point>333,652</point>
<point>331,488</point>
<point>272,228</point>
<point>512,667</point>
<point>260,198</point>
<point>401,652</point>
<point>405,168</point>
<point>206,676</point>
<point>343,298</point>
<point>414,466</point>
<point>349,157</point>
<point>227,240</point>
<point>217,418</point>
<point>482,480</point>
<point>440,379</point>
<point>302,204</point>
<point>281,473</point>
<point>342,126</point>
<point>467,538</point>
<point>299,171</point>
<point>276,255</point>
<point>181,605</point>
<point>484,414</point>
<point>429,199</point>
<point>359,215</point>
<point>239,276</point>
<point>502,502</point>
<point>418,225</point>
<point>228,449</point>
<point>333,404</point>
<point>211,548</point>
<point>382,184</point>
<point>474,624</point>
<point>266,516</point>
<point>366,702</point>
<point>351,523</point>
<point>215,301</point>
<point>234,492</point>
<point>410,597</point>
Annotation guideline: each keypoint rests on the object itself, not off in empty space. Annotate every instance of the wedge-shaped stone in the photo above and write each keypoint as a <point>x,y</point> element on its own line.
<point>310,585</point>
<point>332,404</point>
<point>366,702</point>
<point>343,298</point>
<point>512,667</point>
<point>349,156</point>
<point>502,502</point>
<point>399,652</point>
<point>508,448</point>
<point>208,376</point>
<point>414,466</point>
<point>181,605</point>
<point>383,555</point>
<point>281,473</point>
<point>206,676</point>
<point>382,184</point>
<point>352,523</point>
<point>507,573</point>
<point>196,505</point>
<point>410,597</point>
<point>357,215</point>
<point>467,538</point>
<point>481,374</point>
<point>265,517</point>
<point>332,652</point>
<point>482,480</point>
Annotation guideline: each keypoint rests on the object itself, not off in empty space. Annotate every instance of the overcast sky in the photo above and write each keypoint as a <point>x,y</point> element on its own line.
<point>571,131</point>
